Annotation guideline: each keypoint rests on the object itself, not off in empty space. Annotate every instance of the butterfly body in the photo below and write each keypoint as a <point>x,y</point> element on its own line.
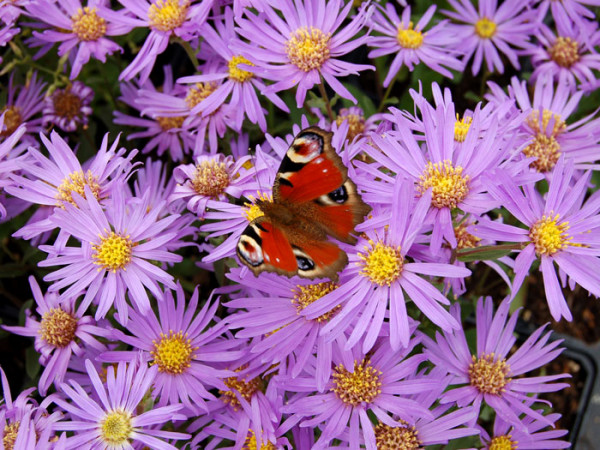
<point>313,198</point>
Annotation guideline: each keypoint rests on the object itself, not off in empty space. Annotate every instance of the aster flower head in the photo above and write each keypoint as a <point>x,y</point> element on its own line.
<point>76,26</point>
<point>411,43</point>
<point>111,417</point>
<point>53,181</point>
<point>68,108</point>
<point>303,44</point>
<point>62,331</point>
<point>560,228</point>
<point>380,277</point>
<point>569,55</point>
<point>23,104</point>
<point>491,30</point>
<point>490,374</point>
<point>114,257</point>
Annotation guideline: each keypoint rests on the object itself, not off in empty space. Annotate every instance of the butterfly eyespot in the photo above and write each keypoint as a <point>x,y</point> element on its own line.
<point>249,251</point>
<point>340,195</point>
<point>304,263</point>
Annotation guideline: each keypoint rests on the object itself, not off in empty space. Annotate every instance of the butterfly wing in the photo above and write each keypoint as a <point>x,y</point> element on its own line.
<point>312,171</point>
<point>264,246</point>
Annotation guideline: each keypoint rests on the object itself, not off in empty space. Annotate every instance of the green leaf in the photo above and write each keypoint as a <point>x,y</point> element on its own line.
<point>32,364</point>
<point>484,253</point>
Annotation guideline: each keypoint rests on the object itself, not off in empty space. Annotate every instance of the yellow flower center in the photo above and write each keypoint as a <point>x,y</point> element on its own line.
<point>116,428</point>
<point>410,38</point>
<point>173,353</point>
<point>489,376</point>
<point>533,120</point>
<point>564,51</point>
<point>198,93</point>
<point>76,182</point>
<point>168,123</point>
<point>236,73</point>
<point>210,178</point>
<point>58,327</point>
<point>12,120</point>
<point>449,187</point>
<point>461,128</point>
<point>361,385</point>
<point>308,49</point>
<point>485,28</point>
<point>396,438</point>
<point>246,389</point>
<point>306,295</point>
<point>87,25</point>
<point>252,210</point>
<point>166,15</point>
<point>549,236</point>
<point>66,104</point>
<point>356,124</point>
<point>114,252</point>
<point>464,239</point>
<point>381,264</point>
<point>10,435</point>
<point>503,443</point>
<point>547,151</point>
<point>250,443</point>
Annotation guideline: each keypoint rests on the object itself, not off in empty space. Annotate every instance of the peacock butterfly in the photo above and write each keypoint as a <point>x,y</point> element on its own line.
<point>313,198</point>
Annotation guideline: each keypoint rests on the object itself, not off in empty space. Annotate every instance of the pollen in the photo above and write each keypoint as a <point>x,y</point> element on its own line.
<point>564,51</point>
<point>211,178</point>
<point>76,182</point>
<point>461,128</point>
<point>547,151</point>
<point>58,327</point>
<point>251,444</point>
<point>363,385</point>
<point>410,38</point>
<point>489,375</point>
<point>382,264</point>
<point>252,210</point>
<point>396,438</point>
<point>558,125</point>
<point>166,15</point>
<point>503,443</point>
<point>114,252</point>
<point>237,74</point>
<point>116,428</point>
<point>170,123</point>
<point>449,186</point>
<point>356,124</point>
<point>464,239</point>
<point>549,236</point>
<point>173,352</point>
<point>66,104</point>
<point>10,435</point>
<point>485,28</point>
<point>307,295</point>
<point>245,388</point>
<point>12,120</point>
<point>308,49</point>
<point>198,93</point>
<point>86,24</point>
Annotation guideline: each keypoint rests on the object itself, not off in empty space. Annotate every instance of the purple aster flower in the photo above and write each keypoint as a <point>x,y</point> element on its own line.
<point>573,9</point>
<point>211,178</point>
<point>9,160</point>
<point>62,331</point>
<point>492,30</point>
<point>164,19</point>
<point>298,43</point>
<point>380,277</point>
<point>116,253</point>
<point>163,133</point>
<point>491,374</point>
<point>350,122</point>
<point>560,229</point>
<point>180,342</point>
<point>240,86</point>
<point>69,108</point>
<point>73,25</point>
<point>436,47</point>
<point>361,385</point>
<point>22,107</point>
<point>111,417</point>
<point>533,438</point>
<point>569,55</point>
<point>53,181</point>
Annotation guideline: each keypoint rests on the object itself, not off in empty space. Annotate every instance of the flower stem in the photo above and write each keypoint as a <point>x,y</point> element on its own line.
<point>326,100</point>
